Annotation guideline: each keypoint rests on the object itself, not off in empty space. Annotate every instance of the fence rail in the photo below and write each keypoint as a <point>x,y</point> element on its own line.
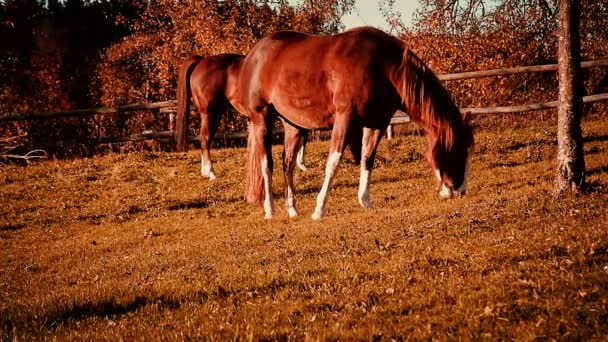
<point>400,117</point>
<point>529,108</point>
<point>88,111</point>
<point>516,70</point>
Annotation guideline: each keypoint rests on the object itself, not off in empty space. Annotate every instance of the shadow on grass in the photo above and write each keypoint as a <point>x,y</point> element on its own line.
<point>184,205</point>
<point>594,150</point>
<point>114,308</point>
<point>524,312</point>
<point>12,226</point>
<point>347,184</point>
<point>595,187</point>
<point>34,323</point>
<point>108,308</point>
<point>596,170</point>
<point>92,218</point>
<point>547,142</point>
<point>595,138</point>
<point>519,145</point>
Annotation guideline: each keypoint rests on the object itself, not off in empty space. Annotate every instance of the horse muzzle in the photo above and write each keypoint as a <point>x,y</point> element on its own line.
<point>447,192</point>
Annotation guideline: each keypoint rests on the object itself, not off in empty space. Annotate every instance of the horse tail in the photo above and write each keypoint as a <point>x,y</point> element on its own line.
<point>255,181</point>
<point>183,101</point>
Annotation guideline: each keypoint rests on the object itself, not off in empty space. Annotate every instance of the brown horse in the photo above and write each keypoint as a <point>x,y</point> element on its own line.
<point>213,84</point>
<point>353,83</point>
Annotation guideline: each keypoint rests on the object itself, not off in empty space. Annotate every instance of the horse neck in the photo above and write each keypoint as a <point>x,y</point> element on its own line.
<point>427,102</point>
<point>438,126</point>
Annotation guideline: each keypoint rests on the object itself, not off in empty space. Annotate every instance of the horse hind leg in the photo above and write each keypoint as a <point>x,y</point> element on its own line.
<point>260,162</point>
<point>371,140</point>
<point>209,124</point>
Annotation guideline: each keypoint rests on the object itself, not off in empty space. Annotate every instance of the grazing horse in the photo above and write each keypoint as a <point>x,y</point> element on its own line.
<point>213,84</point>
<point>353,83</point>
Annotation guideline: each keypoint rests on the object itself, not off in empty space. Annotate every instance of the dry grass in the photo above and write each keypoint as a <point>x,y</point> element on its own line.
<point>140,246</point>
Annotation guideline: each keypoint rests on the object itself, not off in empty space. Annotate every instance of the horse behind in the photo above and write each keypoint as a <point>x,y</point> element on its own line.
<point>213,84</point>
<point>351,83</point>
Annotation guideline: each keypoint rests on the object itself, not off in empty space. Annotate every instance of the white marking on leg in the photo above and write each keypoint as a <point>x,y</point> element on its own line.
<point>268,203</point>
<point>207,169</point>
<point>290,200</point>
<point>300,155</point>
<point>364,197</point>
<point>330,171</point>
<point>368,146</point>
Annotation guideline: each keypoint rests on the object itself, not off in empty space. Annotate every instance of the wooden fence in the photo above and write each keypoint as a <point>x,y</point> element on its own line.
<point>399,118</point>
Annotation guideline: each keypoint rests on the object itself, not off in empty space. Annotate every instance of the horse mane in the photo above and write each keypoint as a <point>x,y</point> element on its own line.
<point>426,99</point>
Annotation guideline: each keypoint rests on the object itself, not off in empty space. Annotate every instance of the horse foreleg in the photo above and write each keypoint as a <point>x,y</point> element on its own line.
<point>370,141</point>
<point>338,139</point>
<point>266,169</point>
<point>293,140</point>
<point>301,150</point>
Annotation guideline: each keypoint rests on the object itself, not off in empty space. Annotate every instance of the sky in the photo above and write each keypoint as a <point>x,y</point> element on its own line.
<point>367,12</point>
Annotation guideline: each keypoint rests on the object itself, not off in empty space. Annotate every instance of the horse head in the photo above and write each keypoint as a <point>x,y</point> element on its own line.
<point>448,131</point>
<point>450,159</point>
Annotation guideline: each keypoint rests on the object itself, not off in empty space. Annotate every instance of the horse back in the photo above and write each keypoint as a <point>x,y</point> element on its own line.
<point>215,79</point>
<point>309,78</point>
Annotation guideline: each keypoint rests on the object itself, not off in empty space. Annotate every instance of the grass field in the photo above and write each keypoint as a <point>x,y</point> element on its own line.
<point>139,246</point>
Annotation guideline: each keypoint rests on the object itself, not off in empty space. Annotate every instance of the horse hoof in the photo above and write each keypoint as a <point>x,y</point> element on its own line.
<point>207,171</point>
<point>210,175</point>
<point>366,203</point>
<point>292,212</point>
<point>317,215</point>
<point>268,217</point>
<point>302,167</point>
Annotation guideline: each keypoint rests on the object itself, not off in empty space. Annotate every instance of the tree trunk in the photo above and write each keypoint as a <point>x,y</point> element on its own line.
<point>570,155</point>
